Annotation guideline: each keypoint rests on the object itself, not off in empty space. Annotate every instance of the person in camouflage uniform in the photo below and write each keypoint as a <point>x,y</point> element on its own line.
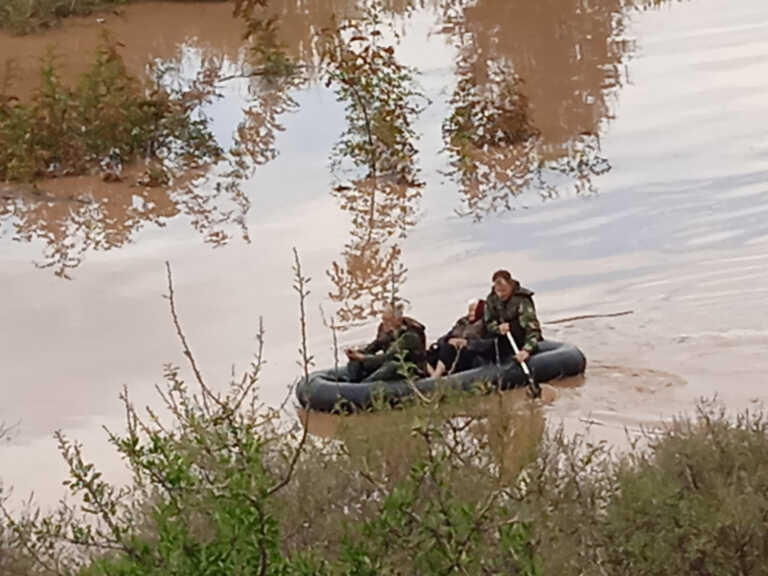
<point>509,308</point>
<point>380,360</point>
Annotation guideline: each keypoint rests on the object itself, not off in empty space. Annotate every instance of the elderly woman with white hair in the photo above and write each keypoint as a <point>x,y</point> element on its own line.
<point>464,346</point>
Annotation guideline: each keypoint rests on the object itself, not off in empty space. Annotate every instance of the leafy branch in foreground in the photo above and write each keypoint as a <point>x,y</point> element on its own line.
<point>203,479</point>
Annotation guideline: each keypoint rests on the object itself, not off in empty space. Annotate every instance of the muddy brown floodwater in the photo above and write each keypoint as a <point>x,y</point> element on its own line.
<point>636,179</point>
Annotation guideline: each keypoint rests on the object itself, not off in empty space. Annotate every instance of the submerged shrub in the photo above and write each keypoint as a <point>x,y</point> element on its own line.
<point>25,16</point>
<point>104,122</point>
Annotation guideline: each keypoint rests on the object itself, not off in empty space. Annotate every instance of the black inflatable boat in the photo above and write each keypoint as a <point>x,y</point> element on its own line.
<point>329,390</point>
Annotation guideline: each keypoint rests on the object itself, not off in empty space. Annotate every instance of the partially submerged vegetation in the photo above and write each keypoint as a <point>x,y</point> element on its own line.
<point>26,16</point>
<point>221,484</point>
<point>108,120</point>
<point>150,134</point>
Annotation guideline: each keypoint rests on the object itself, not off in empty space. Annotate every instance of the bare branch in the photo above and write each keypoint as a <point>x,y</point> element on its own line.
<point>250,378</point>
<point>306,360</point>
<point>207,393</point>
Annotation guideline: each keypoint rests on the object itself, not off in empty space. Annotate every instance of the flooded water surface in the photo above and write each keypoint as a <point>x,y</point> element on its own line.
<point>612,154</point>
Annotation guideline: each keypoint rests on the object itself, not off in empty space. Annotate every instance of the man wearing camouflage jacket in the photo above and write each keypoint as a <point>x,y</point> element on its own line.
<point>509,308</point>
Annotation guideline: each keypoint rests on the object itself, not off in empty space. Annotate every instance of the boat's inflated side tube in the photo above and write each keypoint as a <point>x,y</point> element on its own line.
<point>331,390</point>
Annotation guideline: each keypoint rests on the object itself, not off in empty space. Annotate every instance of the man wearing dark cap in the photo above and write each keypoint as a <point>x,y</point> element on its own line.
<point>509,309</point>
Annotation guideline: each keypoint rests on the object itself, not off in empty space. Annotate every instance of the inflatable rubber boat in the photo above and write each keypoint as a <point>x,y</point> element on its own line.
<point>331,390</point>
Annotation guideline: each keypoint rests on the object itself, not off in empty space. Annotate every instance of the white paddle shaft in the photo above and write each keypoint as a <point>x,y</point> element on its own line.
<point>517,351</point>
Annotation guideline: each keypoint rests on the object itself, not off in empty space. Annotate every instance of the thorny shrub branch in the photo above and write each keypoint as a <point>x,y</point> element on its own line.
<point>206,392</point>
<point>306,360</point>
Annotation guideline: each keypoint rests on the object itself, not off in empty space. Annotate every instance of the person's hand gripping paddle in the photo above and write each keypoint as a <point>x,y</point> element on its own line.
<point>534,390</point>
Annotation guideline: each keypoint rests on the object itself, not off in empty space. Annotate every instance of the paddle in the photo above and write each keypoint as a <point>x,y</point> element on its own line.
<point>533,388</point>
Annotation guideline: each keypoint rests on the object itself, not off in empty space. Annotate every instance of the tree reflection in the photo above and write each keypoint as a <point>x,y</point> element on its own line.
<point>490,135</point>
<point>536,83</point>
<point>75,216</point>
<point>371,272</point>
<point>381,103</point>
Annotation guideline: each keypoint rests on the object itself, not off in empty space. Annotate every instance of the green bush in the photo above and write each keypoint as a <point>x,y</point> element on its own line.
<point>692,500</point>
<point>696,503</point>
<point>107,119</point>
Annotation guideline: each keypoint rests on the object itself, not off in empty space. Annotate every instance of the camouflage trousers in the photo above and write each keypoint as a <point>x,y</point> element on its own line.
<point>373,368</point>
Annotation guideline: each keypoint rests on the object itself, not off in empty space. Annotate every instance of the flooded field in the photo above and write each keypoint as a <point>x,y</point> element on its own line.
<point>612,154</point>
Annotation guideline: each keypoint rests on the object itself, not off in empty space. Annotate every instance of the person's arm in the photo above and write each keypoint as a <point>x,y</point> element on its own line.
<point>375,346</point>
<point>491,323</point>
<point>371,348</point>
<point>451,333</point>
<point>409,344</point>
<point>530,324</point>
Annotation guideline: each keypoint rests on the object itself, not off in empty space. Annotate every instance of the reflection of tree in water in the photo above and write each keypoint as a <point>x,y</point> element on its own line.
<point>381,103</point>
<point>536,82</point>
<point>75,216</point>
<point>371,271</point>
<point>490,136</point>
<point>298,22</point>
<point>269,98</point>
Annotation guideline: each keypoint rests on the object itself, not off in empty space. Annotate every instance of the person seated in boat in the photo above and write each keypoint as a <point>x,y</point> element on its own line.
<point>399,339</point>
<point>509,309</point>
<point>464,346</point>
